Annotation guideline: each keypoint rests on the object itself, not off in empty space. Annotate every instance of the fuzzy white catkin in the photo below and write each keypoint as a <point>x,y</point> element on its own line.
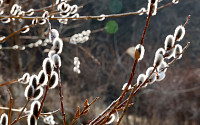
<point>56,60</point>
<point>160,51</point>
<point>34,81</point>
<point>58,45</point>
<point>169,42</point>
<point>38,93</point>
<point>152,78</point>
<point>179,33</point>
<point>53,34</point>
<point>158,59</point>
<point>141,51</point>
<point>102,17</point>
<point>178,51</point>
<point>141,79</point>
<point>77,70</point>
<point>47,66</point>
<point>53,82</point>
<point>49,120</point>
<point>141,11</point>
<point>6,20</point>
<point>45,15</point>
<point>169,53</point>
<point>124,86</point>
<point>1,3</point>
<point>175,1</point>
<point>31,120</point>
<point>42,21</point>
<point>160,76</point>
<point>35,104</point>
<point>112,118</point>
<point>43,78</point>
<point>26,29</point>
<point>149,70</point>
<point>74,9</point>
<point>4,119</point>
<point>14,9</point>
<point>25,78</point>
<point>29,91</point>
<point>30,12</point>
<point>154,9</point>
<point>51,53</point>
<point>162,67</point>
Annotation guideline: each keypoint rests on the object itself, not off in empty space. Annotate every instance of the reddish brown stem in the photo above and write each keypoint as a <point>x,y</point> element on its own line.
<point>83,111</point>
<point>10,108</point>
<point>61,97</point>
<point>8,83</point>
<point>17,119</point>
<point>45,94</point>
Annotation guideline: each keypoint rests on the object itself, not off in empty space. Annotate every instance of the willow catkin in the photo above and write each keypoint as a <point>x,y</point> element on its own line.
<point>58,45</point>
<point>53,82</point>
<point>4,119</point>
<point>47,66</point>
<point>158,59</point>
<point>179,33</point>
<point>43,78</point>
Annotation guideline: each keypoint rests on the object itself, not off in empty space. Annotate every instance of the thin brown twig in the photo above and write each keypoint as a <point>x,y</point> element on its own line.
<point>12,34</point>
<point>61,96</point>
<point>10,107</point>
<point>84,111</point>
<point>188,19</point>
<point>8,83</point>
<point>51,7</point>
<point>42,103</point>
<point>17,119</point>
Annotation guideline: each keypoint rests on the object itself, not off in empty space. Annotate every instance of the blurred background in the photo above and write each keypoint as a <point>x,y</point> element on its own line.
<point>106,65</point>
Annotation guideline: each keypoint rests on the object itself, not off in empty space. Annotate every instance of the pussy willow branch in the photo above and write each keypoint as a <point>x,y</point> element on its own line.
<point>104,112</point>
<point>83,111</point>
<point>52,7</point>
<point>133,92</point>
<point>42,102</point>
<point>12,34</point>
<point>91,17</point>
<point>187,45</point>
<point>17,119</point>
<point>8,83</point>
<point>26,112</point>
<point>10,107</point>
<point>61,96</point>
<point>81,17</point>
<point>141,42</point>
<point>133,70</point>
